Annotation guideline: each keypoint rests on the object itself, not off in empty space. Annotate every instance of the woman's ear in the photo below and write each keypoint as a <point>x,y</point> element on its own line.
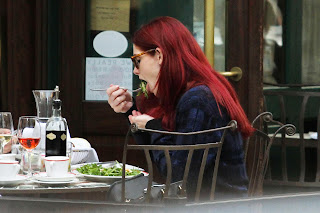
<point>159,55</point>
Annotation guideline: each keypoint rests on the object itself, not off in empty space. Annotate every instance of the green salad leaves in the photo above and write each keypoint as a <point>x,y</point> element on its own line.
<point>116,170</point>
<point>144,91</point>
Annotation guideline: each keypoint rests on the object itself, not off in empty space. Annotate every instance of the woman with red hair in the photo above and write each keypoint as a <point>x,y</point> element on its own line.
<point>185,94</point>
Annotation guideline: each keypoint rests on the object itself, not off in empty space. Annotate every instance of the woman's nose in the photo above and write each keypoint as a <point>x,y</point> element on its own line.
<point>136,71</point>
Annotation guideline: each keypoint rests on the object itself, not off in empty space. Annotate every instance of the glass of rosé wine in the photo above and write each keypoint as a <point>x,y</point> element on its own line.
<point>28,134</point>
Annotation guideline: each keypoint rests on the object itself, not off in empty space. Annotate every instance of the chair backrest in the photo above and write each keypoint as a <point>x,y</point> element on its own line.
<point>300,154</point>
<point>190,149</point>
<point>260,143</point>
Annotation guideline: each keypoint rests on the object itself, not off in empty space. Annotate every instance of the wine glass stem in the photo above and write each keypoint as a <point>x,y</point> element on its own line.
<point>1,147</point>
<point>29,167</point>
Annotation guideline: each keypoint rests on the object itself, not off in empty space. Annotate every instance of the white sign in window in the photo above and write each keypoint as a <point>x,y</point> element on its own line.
<point>101,72</point>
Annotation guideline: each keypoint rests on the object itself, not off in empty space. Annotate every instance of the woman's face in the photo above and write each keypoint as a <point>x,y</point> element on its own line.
<point>149,68</point>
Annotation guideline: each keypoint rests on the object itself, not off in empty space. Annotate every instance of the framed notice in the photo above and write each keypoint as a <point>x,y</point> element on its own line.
<point>101,72</point>
<point>110,15</point>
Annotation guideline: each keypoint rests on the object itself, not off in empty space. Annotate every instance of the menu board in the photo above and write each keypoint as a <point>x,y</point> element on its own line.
<point>101,72</point>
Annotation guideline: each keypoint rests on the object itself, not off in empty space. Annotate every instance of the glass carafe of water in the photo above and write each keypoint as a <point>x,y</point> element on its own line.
<point>44,100</point>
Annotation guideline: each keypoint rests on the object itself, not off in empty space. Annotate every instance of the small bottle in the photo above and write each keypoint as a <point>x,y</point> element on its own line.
<point>56,131</point>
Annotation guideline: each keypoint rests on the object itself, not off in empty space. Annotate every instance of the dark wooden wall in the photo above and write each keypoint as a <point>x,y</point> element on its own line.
<point>24,68</point>
<point>3,49</point>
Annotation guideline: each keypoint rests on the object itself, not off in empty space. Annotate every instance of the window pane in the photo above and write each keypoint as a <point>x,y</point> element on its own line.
<point>219,30</point>
<point>219,34</point>
<point>292,42</point>
<point>273,43</point>
<point>310,42</point>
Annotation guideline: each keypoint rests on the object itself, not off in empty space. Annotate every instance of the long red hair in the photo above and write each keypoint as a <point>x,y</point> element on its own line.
<point>184,66</point>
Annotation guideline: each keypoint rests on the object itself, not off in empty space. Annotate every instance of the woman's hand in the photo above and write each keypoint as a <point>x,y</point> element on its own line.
<point>119,99</point>
<point>139,119</point>
<point>7,148</point>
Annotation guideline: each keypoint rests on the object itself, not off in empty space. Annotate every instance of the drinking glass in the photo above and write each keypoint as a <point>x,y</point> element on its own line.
<point>29,133</point>
<point>6,129</point>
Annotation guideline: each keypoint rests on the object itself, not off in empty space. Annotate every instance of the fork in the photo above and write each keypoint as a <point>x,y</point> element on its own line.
<point>135,90</point>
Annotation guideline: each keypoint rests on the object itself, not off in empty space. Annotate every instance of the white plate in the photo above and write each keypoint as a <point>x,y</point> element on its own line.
<point>75,180</point>
<point>18,179</point>
<point>42,176</point>
<point>8,157</point>
<point>105,179</point>
<point>106,165</point>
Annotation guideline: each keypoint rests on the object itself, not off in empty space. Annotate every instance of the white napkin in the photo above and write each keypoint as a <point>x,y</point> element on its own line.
<point>313,135</point>
<point>80,143</point>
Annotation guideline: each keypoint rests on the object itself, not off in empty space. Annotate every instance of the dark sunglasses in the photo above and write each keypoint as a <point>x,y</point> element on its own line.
<point>136,61</point>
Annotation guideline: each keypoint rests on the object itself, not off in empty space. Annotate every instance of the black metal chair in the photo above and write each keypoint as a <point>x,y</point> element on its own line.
<point>167,149</point>
<point>260,144</point>
<point>300,107</point>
